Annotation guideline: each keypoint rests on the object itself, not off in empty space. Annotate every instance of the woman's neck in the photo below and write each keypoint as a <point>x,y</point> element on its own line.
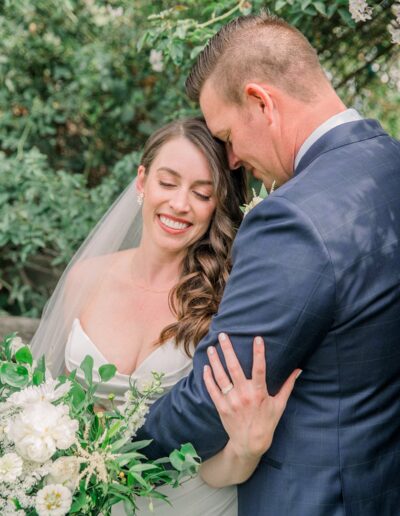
<point>155,269</point>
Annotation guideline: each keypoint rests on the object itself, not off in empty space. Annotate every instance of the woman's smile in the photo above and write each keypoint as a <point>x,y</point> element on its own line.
<point>173,225</point>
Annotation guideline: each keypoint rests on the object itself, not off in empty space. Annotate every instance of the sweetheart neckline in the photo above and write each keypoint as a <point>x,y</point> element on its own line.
<point>78,323</point>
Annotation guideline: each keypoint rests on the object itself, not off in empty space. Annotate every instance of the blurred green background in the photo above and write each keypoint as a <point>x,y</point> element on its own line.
<point>84,82</point>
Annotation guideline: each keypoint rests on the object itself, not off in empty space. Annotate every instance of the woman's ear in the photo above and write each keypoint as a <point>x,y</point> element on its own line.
<point>141,179</point>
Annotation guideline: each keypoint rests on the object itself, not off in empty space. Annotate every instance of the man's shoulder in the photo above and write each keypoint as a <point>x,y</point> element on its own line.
<point>336,186</point>
<point>337,171</point>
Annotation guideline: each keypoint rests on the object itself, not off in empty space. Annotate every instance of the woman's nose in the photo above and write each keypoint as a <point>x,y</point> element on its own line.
<point>179,201</point>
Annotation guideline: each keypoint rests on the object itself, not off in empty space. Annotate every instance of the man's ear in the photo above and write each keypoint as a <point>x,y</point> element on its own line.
<point>141,179</point>
<point>259,97</point>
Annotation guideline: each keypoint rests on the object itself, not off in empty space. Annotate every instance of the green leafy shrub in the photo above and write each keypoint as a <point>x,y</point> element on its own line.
<point>44,214</point>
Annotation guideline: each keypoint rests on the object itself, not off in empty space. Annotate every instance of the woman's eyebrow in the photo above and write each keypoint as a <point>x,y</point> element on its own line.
<point>170,170</point>
<point>177,174</point>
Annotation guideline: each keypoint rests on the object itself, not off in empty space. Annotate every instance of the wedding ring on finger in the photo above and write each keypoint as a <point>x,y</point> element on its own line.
<point>227,389</point>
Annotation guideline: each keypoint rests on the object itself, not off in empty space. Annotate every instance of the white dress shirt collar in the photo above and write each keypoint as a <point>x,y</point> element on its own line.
<point>341,118</point>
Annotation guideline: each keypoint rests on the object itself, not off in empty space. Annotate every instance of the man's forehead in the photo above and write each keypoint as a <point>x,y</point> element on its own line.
<point>214,110</point>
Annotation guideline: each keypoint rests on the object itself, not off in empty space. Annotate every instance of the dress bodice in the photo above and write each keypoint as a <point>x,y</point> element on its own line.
<point>192,498</point>
<point>167,358</point>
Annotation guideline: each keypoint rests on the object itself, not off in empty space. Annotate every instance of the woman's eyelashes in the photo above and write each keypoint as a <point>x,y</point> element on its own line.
<point>199,195</point>
<point>166,185</point>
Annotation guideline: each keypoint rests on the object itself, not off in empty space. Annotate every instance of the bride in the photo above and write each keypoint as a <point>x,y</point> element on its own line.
<point>142,289</point>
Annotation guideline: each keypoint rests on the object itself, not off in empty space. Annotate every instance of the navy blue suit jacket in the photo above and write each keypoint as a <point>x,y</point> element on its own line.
<point>317,273</point>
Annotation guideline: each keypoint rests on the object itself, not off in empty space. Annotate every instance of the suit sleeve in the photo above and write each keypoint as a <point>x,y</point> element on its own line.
<point>281,287</point>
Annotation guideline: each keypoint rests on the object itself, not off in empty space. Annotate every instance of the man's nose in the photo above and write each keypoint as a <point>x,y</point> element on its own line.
<point>233,160</point>
<point>179,201</point>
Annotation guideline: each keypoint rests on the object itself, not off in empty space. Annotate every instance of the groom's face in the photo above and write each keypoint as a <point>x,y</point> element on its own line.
<point>245,132</point>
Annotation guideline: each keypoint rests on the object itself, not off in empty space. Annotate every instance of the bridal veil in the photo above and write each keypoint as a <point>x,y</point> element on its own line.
<point>119,229</point>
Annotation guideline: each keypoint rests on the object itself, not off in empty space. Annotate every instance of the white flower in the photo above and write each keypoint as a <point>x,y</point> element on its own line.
<point>143,385</point>
<point>394,26</point>
<point>35,448</point>
<point>115,12</point>
<point>255,200</point>
<point>395,33</point>
<point>360,11</point>
<point>137,418</point>
<point>263,194</point>
<point>53,500</point>
<point>16,344</point>
<point>10,467</point>
<point>156,60</point>
<point>45,392</point>
<point>40,429</point>
<point>64,471</point>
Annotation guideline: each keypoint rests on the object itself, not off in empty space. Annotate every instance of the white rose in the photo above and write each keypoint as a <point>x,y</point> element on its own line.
<point>64,432</point>
<point>10,467</point>
<point>40,429</point>
<point>64,471</point>
<point>35,448</point>
<point>53,500</point>
<point>47,391</point>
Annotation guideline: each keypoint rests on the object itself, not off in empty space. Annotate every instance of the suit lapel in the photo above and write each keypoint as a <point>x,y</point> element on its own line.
<point>339,136</point>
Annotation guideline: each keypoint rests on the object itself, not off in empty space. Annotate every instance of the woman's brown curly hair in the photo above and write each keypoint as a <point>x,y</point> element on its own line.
<point>196,297</point>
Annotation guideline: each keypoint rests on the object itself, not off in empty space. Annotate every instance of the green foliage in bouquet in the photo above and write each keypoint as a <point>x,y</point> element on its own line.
<point>85,82</point>
<point>58,455</point>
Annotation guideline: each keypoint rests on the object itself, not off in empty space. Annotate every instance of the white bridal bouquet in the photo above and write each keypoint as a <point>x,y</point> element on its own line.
<point>59,456</point>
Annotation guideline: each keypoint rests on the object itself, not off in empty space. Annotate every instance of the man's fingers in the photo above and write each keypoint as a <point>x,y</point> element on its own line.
<point>287,387</point>
<point>258,374</point>
<point>234,368</point>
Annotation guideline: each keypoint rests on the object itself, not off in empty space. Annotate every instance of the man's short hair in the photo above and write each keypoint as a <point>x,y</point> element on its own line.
<point>258,47</point>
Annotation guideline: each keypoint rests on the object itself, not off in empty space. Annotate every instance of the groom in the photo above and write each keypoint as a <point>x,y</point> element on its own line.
<point>316,272</point>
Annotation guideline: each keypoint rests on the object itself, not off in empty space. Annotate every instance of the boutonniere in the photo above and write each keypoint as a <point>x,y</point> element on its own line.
<point>257,198</point>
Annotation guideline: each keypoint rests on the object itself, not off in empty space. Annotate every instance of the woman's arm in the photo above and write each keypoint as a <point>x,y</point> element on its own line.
<point>248,413</point>
<point>227,468</point>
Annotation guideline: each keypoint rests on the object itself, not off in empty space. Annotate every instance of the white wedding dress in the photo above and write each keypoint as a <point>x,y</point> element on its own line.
<point>194,497</point>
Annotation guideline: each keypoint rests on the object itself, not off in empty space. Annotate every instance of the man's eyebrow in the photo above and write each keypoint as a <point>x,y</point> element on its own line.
<point>173,172</point>
<point>221,135</point>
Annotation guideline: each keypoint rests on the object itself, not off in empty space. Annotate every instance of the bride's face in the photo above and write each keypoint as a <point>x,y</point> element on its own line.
<point>179,199</point>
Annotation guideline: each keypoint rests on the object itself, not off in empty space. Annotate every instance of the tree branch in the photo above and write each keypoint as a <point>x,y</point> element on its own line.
<point>222,17</point>
<point>364,66</point>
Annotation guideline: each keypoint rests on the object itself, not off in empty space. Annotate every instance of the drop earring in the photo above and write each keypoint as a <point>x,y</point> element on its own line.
<point>139,198</point>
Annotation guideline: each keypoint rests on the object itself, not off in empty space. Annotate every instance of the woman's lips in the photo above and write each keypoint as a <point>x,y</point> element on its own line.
<point>173,225</point>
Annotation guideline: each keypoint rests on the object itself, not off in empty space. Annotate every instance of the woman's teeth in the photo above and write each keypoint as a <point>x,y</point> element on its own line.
<point>173,224</point>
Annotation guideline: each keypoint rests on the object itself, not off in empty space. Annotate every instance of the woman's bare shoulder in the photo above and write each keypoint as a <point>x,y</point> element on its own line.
<point>93,269</point>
